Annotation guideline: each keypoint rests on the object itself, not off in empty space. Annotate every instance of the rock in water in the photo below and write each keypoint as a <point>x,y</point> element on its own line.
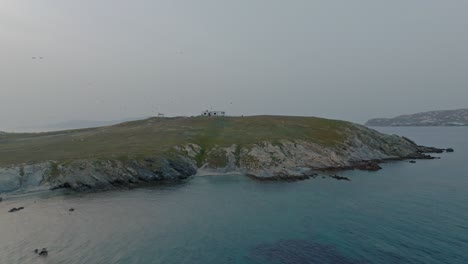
<point>71,209</point>
<point>43,252</point>
<point>412,161</point>
<point>449,150</point>
<point>368,166</point>
<point>340,178</point>
<point>14,209</point>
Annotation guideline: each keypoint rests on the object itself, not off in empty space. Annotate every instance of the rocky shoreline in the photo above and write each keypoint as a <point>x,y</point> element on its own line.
<point>371,165</point>
<point>287,160</point>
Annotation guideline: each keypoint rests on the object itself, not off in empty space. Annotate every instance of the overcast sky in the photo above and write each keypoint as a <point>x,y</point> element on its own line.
<point>112,59</point>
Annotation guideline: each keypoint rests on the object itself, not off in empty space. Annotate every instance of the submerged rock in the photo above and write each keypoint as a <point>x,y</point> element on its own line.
<point>71,209</point>
<point>449,150</point>
<point>284,177</point>
<point>412,161</point>
<point>340,178</point>
<point>368,166</point>
<point>299,251</point>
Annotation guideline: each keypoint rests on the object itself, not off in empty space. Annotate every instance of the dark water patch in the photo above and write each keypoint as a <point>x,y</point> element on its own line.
<point>300,252</point>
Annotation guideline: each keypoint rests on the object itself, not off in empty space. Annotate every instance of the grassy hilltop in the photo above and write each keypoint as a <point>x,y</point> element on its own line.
<point>159,136</point>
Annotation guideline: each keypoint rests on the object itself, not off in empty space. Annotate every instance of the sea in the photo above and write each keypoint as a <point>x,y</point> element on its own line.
<point>405,213</point>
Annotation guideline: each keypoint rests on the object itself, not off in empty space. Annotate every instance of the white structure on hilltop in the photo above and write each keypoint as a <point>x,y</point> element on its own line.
<point>213,113</point>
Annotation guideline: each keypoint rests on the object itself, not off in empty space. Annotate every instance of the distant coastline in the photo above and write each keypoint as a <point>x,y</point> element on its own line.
<point>451,118</point>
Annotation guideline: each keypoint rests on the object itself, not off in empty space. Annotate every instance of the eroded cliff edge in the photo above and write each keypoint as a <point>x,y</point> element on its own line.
<point>266,158</point>
<point>363,149</point>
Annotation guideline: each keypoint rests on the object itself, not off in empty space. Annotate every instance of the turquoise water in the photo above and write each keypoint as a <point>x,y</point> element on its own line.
<point>405,213</point>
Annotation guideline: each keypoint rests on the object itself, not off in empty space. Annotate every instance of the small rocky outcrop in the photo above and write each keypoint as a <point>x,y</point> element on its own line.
<point>340,178</point>
<point>449,150</point>
<point>284,177</point>
<point>14,209</point>
<point>367,166</point>
<point>42,253</point>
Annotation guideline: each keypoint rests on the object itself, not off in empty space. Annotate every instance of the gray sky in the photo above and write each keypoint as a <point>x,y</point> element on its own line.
<point>111,59</point>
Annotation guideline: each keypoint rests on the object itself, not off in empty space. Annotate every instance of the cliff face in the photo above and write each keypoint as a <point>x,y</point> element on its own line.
<point>363,149</point>
<point>83,175</point>
<point>266,160</point>
<point>434,118</point>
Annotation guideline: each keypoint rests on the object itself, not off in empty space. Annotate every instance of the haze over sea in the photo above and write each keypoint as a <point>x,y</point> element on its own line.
<point>405,213</point>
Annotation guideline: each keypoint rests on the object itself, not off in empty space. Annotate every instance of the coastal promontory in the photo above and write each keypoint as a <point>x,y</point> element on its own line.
<point>167,149</point>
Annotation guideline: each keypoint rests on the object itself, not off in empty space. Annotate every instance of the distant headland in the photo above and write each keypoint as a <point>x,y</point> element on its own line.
<point>457,117</point>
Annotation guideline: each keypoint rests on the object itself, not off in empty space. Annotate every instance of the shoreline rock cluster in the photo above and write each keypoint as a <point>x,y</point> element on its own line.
<point>300,160</point>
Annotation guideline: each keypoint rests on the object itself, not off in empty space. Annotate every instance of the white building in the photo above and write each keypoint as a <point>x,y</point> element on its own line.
<point>213,113</point>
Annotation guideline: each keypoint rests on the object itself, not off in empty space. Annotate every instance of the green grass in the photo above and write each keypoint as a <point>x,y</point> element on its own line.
<point>157,136</point>
<point>216,158</point>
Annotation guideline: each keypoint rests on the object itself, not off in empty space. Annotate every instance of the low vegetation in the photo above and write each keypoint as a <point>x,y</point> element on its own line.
<point>158,136</point>
<point>216,159</point>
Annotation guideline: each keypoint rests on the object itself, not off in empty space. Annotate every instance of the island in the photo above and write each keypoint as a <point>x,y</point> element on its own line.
<point>457,117</point>
<point>161,149</point>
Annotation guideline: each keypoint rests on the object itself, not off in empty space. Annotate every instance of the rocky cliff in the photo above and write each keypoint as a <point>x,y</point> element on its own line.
<point>363,149</point>
<point>82,175</point>
<point>434,118</point>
